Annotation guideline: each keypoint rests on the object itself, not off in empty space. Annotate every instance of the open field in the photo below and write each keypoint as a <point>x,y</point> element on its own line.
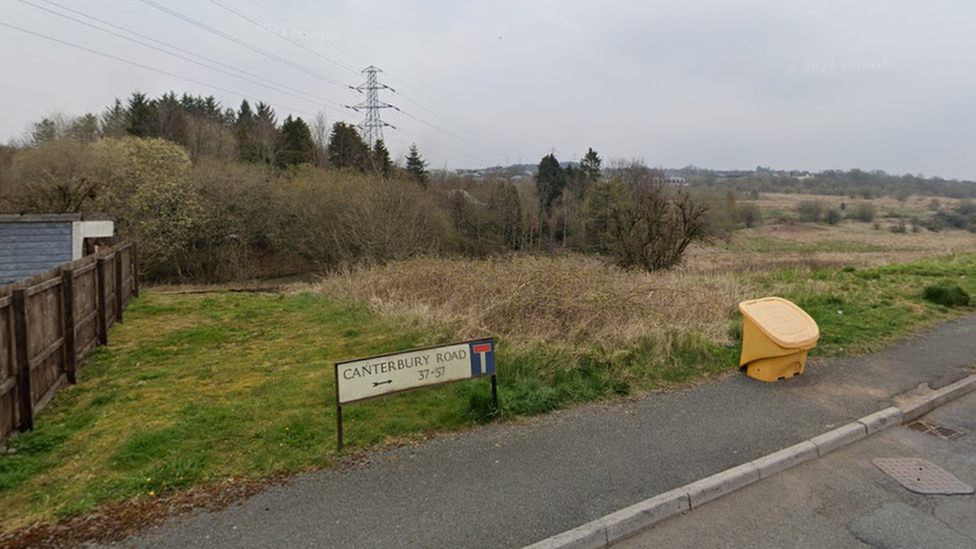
<point>776,205</point>
<point>201,388</point>
<point>912,204</point>
<point>815,245</point>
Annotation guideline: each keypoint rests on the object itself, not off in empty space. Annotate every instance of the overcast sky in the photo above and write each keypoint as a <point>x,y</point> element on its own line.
<point>883,84</point>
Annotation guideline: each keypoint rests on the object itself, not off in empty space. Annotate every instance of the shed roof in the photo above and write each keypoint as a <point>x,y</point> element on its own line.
<point>52,217</point>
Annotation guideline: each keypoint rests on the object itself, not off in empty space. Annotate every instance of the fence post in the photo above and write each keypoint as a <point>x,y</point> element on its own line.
<point>102,316</point>
<point>68,310</point>
<point>23,360</point>
<point>118,286</point>
<point>135,269</point>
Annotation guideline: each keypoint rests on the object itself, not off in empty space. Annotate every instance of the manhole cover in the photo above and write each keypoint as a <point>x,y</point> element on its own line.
<point>934,429</point>
<point>922,476</point>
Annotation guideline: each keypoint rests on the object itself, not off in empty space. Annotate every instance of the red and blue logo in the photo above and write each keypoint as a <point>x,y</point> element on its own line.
<point>482,358</point>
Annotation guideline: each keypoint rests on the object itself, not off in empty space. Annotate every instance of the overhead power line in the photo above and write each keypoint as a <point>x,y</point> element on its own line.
<point>245,44</point>
<point>442,130</point>
<point>372,125</point>
<point>443,147</point>
<point>244,16</point>
<point>143,66</point>
<point>316,101</point>
<point>442,117</point>
<point>308,32</point>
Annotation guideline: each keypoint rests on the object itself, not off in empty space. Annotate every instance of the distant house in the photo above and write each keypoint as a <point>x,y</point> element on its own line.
<point>32,244</point>
<point>673,180</point>
<point>466,196</point>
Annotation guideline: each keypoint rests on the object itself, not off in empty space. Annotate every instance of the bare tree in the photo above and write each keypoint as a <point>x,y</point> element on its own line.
<point>53,176</point>
<point>654,230</point>
<point>320,134</point>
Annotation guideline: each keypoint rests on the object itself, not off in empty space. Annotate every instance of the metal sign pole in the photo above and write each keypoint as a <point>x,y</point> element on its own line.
<point>494,392</point>
<point>338,410</point>
<point>339,423</point>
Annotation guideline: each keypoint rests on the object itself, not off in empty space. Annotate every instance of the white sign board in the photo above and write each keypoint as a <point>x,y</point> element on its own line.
<point>376,376</point>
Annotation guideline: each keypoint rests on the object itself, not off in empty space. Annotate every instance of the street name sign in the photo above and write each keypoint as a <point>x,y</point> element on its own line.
<point>378,376</point>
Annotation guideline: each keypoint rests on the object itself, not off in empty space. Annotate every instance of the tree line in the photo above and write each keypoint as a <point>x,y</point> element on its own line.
<point>853,183</point>
<point>213,193</point>
<point>248,134</point>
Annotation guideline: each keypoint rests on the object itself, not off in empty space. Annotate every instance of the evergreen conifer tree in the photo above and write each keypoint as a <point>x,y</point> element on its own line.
<point>140,114</point>
<point>265,133</point>
<point>550,181</point>
<point>295,144</point>
<point>417,167</point>
<point>381,159</point>
<point>347,149</point>
<point>244,127</point>
<point>114,121</point>
<point>591,165</point>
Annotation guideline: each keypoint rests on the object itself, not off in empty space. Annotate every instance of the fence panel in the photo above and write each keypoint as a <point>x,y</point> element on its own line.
<point>86,308</point>
<point>33,313</point>
<point>45,335</point>
<point>9,411</point>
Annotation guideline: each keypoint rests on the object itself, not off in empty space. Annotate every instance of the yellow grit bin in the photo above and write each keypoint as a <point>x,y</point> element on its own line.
<point>776,335</point>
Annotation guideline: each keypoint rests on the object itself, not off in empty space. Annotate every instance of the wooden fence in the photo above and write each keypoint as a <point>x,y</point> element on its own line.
<point>49,323</point>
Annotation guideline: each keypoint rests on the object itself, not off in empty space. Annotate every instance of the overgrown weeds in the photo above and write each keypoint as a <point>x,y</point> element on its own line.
<point>572,300</point>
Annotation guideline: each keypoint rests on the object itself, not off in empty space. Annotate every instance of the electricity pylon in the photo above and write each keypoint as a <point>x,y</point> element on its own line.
<point>372,126</point>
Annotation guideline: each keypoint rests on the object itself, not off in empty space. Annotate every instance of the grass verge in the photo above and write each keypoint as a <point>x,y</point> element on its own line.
<point>198,389</point>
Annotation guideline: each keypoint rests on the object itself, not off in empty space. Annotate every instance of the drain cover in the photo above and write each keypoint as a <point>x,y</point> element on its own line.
<point>922,476</point>
<point>934,429</point>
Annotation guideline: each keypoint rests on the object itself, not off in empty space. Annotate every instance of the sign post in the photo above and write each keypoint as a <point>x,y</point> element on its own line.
<point>378,376</point>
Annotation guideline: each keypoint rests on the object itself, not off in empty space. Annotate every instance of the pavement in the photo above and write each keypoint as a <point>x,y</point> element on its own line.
<point>510,485</point>
<point>843,501</point>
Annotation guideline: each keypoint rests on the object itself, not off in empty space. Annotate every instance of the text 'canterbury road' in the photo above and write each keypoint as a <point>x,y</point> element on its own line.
<point>385,367</point>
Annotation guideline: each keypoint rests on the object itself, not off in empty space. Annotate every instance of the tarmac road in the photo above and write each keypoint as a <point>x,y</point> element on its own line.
<point>842,501</point>
<point>507,486</point>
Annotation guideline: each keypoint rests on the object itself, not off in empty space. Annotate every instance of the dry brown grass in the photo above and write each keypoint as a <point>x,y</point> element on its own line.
<point>572,299</point>
<point>579,299</point>
<point>812,246</point>
<point>884,203</point>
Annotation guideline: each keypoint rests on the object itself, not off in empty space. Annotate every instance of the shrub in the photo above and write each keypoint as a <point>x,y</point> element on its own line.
<point>954,219</point>
<point>865,212</point>
<point>810,210</point>
<point>750,214</point>
<point>145,184</point>
<point>833,216</point>
<point>948,294</point>
<point>966,207</point>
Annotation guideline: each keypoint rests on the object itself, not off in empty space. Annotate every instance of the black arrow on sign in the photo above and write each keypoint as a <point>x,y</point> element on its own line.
<point>378,383</point>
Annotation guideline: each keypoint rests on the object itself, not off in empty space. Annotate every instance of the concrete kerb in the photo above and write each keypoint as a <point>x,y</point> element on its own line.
<point>880,421</point>
<point>839,437</point>
<point>592,535</point>
<point>917,408</point>
<point>786,458</point>
<point>717,485</point>
<point>639,517</point>
<point>631,520</point>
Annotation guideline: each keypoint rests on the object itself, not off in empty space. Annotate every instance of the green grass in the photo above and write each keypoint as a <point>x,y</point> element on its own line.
<point>768,244</point>
<point>198,388</point>
<point>864,310</point>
